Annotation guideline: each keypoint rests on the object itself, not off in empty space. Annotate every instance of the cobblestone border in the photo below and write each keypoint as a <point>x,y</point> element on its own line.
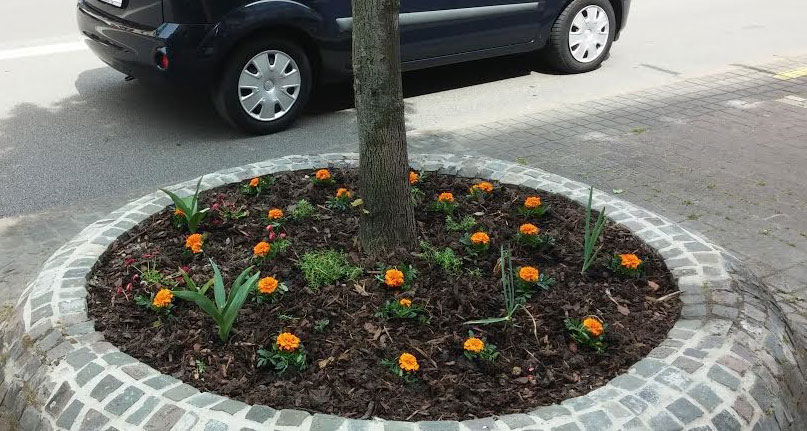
<point>729,363</point>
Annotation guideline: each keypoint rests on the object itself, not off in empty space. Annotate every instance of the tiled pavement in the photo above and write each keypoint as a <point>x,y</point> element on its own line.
<point>724,155</point>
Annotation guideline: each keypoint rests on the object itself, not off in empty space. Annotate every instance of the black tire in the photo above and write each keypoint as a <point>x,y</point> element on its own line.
<point>226,95</point>
<point>557,51</point>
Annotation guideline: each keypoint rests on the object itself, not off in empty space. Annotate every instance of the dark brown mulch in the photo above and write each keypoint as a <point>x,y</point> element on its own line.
<point>538,365</point>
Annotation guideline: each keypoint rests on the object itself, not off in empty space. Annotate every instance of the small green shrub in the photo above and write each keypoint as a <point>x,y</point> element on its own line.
<point>325,267</point>
<point>301,210</point>
<point>445,258</point>
<point>465,224</point>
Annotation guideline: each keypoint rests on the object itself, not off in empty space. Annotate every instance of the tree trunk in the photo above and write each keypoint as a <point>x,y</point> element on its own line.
<point>389,223</point>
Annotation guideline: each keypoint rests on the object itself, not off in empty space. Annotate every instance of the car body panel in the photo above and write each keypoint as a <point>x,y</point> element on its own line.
<point>198,35</point>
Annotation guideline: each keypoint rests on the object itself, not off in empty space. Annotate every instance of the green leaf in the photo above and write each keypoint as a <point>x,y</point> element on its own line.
<point>488,321</point>
<point>218,287</point>
<point>202,301</point>
<point>234,305</point>
<point>178,201</point>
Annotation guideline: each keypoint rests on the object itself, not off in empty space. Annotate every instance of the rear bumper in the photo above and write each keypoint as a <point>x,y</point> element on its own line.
<point>133,50</point>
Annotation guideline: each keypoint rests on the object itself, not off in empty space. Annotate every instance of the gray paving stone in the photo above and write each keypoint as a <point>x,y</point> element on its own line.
<point>93,421</point>
<point>705,396</point>
<point>687,364</point>
<point>664,422</point>
<point>161,381</point>
<point>724,421</point>
<point>436,426</point>
<point>180,392</point>
<point>59,399</point>
<point>138,371</point>
<point>634,424</point>
<point>635,405</point>
<point>29,419</point>
<point>397,426</point>
<point>648,367</point>
<point>69,414</point>
<point>743,408</point>
<point>485,424</point>
<point>579,403</point>
<point>684,410</point>
<point>571,426</point>
<point>627,382</point>
<point>720,375</point>
<point>214,425</point>
<point>517,420</point>
<point>650,395</point>
<point>205,399</point>
<point>595,421</point>
<point>321,422</point>
<point>124,400</point>
<point>550,412</point>
<point>699,354</point>
<point>143,411</point>
<point>79,358</point>
<point>257,413</point>
<point>106,386</point>
<point>674,378</point>
<point>88,373</point>
<point>164,418</point>
<point>229,406</point>
<point>291,418</point>
<point>118,358</point>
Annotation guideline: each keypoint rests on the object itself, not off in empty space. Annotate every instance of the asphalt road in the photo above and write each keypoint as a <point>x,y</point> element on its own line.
<point>73,132</point>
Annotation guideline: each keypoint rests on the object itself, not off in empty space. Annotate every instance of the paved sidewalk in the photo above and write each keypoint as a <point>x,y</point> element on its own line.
<point>725,155</point>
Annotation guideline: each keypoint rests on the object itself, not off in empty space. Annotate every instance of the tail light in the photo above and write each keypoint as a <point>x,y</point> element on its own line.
<point>161,59</point>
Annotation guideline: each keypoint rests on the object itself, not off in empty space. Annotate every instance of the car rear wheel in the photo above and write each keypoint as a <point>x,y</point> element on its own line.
<point>582,36</point>
<point>264,86</point>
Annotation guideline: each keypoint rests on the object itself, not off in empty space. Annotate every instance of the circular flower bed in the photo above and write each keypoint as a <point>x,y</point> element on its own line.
<point>270,301</point>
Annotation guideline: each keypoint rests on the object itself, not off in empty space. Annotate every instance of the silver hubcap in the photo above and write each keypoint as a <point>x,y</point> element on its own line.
<point>589,34</point>
<point>269,85</point>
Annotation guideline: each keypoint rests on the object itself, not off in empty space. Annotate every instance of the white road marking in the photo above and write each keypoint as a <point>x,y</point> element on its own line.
<point>35,51</point>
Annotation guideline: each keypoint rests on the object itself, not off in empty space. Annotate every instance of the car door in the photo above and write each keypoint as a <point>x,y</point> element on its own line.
<point>437,28</point>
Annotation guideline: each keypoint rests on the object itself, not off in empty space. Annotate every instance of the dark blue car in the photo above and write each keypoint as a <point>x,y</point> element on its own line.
<point>261,59</point>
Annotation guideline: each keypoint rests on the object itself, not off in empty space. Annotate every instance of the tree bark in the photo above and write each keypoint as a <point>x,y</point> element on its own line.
<point>389,222</point>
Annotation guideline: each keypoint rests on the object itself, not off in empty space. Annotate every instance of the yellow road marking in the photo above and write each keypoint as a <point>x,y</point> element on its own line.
<point>791,74</point>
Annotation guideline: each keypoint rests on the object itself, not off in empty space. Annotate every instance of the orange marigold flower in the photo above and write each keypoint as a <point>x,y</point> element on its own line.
<point>178,212</point>
<point>254,182</point>
<point>261,249</point>
<point>593,326</point>
<point>405,302</point>
<point>163,298</point>
<point>287,342</point>
<point>275,214</point>
<point>267,285</point>
<point>343,193</point>
<point>323,175</point>
<point>408,362</point>
<point>480,238</point>
<point>194,242</point>
<point>630,261</point>
<point>413,177</point>
<point>474,345</point>
<point>483,186</point>
<point>529,274</point>
<point>529,229</point>
<point>532,202</point>
<point>394,278</point>
<point>446,197</point>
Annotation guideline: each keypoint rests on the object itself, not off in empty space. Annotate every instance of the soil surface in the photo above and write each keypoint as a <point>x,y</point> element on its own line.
<point>539,364</point>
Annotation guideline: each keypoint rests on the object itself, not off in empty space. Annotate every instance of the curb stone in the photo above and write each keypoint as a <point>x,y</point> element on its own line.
<point>729,363</point>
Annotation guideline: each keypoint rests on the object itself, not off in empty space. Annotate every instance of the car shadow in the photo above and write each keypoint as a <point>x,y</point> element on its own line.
<point>336,97</point>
